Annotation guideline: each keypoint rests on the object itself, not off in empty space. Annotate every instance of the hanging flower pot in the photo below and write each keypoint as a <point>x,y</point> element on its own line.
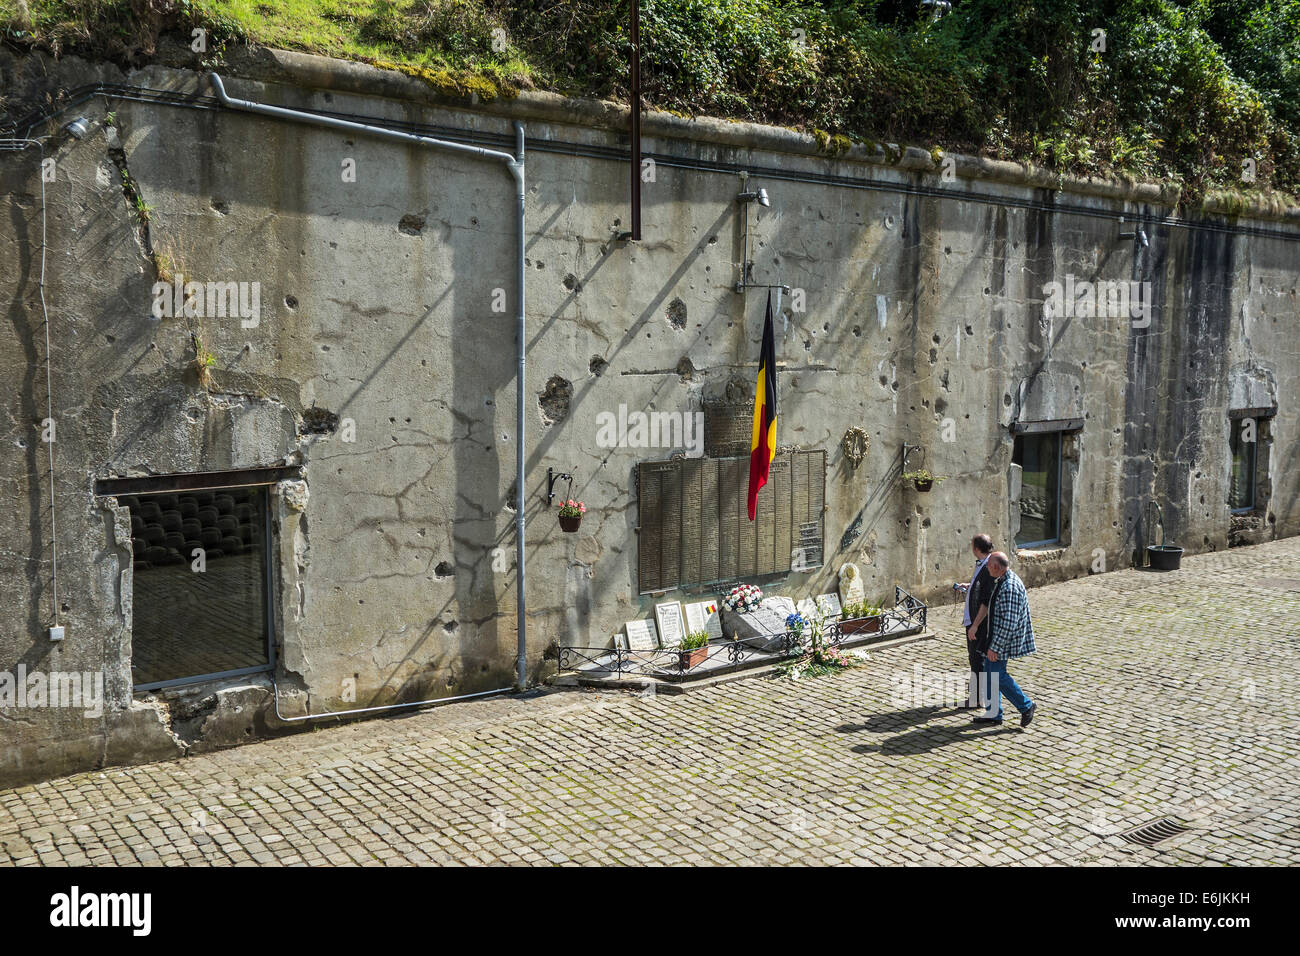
<point>571,513</point>
<point>921,480</point>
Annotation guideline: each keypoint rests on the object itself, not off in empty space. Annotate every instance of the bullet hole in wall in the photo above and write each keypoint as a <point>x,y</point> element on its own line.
<point>290,302</point>
<point>677,314</point>
<point>220,207</point>
<point>411,224</point>
<point>597,365</point>
<point>571,283</point>
<point>554,399</point>
<point>318,421</point>
<point>443,570</point>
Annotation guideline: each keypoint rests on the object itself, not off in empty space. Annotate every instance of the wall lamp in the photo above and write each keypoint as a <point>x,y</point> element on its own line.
<point>1138,235</point>
<point>77,128</point>
<point>760,196</point>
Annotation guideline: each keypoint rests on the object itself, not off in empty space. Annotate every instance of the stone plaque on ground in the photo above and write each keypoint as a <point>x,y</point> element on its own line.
<point>851,591</point>
<point>784,605</point>
<point>830,603</point>
<point>641,636</point>
<point>763,629</point>
<point>668,618</point>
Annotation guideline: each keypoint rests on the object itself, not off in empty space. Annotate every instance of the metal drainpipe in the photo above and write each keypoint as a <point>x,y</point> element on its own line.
<point>515,164</point>
<point>521,625</point>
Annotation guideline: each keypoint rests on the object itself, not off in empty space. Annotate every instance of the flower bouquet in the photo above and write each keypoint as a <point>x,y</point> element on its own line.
<point>743,599</point>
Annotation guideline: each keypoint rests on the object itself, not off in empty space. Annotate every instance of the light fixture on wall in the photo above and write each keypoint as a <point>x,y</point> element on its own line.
<point>1137,235</point>
<point>77,128</point>
<point>746,197</point>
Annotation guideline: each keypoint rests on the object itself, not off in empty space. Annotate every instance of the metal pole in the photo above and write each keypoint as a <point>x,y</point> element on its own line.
<point>521,623</point>
<point>636,119</point>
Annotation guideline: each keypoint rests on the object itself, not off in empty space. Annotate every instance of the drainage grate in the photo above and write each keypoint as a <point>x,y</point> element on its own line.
<point>1152,833</point>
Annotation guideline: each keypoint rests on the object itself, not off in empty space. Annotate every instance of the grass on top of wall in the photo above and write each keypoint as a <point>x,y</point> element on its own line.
<point>1203,94</point>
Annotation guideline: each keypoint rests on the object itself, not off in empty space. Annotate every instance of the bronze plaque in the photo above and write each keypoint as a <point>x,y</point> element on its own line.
<point>695,529</point>
<point>728,429</point>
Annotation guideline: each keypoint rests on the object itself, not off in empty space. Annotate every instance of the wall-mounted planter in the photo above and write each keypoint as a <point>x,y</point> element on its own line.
<point>570,523</point>
<point>923,484</point>
<point>1164,557</point>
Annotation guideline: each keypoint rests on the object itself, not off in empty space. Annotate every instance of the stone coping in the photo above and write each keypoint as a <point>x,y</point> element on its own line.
<point>324,73</point>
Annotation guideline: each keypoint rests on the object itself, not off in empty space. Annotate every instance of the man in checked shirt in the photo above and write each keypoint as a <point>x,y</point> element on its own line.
<point>1011,634</point>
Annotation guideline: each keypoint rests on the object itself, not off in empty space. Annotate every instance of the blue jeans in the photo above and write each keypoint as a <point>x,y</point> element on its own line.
<point>1006,684</point>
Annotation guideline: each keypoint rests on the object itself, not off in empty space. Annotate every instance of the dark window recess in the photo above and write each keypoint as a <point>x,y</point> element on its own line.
<point>1241,490</point>
<point>1039,458</point>
<point>695,530</point>
<point>201,574</point>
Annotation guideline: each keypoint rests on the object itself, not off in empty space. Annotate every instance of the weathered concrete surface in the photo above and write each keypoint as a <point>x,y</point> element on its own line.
<point>925,306</point>
<point>1180,708</point>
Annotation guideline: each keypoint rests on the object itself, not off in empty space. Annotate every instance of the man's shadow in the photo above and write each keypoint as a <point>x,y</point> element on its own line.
<point>921,739</point>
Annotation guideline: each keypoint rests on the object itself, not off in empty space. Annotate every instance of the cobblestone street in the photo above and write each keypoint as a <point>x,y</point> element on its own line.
<point>1160,695</point>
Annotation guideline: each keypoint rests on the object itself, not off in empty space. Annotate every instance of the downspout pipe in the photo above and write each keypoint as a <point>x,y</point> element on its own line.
<point>515,165</point>
<point>521,623</point>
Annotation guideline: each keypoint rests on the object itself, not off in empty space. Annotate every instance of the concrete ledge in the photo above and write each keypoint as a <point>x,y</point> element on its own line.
<point>323,73</point>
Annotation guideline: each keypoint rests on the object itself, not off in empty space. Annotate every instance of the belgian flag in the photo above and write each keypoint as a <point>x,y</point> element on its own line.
<point>763,446</point>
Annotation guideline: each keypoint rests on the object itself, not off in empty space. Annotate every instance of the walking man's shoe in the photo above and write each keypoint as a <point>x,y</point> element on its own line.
<point>1028,715</point>
<point>991,721</point>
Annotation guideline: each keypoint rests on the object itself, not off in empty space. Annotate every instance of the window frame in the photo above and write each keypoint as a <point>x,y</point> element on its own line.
<point>1056,518</point>
<point>262,478</point>
<point>1234,438</point>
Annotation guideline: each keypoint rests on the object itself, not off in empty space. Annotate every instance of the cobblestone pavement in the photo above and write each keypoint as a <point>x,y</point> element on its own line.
<point>1161,695</point>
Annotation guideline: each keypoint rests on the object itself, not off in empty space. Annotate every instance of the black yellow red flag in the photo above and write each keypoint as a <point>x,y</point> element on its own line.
<point>763,446</point>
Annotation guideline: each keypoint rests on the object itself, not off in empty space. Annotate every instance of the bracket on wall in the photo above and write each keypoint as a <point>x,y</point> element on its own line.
<point>552,476</point>
<point>907,450</point>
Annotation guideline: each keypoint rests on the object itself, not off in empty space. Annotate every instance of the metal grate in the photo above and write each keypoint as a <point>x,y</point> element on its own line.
<point>1150,834</point>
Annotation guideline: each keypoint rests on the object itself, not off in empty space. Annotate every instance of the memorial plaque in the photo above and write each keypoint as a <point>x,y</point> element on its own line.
<point>703,616</point>
<point>641,636</point>
<point>695,529</point>
<point>668,618</point>
<point>651,530</point>
<point>709,522</point>
<point>830,603</point>
<point>728,429</point>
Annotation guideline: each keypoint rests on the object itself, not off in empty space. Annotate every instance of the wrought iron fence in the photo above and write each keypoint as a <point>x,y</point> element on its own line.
<point>908,616</point>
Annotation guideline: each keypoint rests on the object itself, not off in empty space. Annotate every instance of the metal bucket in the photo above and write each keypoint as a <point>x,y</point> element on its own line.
<point>1165,557</point>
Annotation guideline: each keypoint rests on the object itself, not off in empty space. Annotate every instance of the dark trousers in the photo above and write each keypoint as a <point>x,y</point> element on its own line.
<point>978,692</point>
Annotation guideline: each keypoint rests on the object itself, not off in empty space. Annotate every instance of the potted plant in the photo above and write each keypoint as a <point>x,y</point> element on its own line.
<point>862,616</point>
<point>693,649</point>
<point>921,479</point>
<point>571,513</point>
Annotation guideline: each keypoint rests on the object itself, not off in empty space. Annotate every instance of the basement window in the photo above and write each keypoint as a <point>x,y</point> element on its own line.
<point>1039,458</point>
<point>202,576</point>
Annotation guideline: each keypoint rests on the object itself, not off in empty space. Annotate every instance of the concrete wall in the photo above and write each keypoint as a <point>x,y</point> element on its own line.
<point>925,320</point>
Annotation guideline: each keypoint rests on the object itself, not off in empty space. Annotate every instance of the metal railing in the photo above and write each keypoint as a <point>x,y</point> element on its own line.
<point>725,656</point>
